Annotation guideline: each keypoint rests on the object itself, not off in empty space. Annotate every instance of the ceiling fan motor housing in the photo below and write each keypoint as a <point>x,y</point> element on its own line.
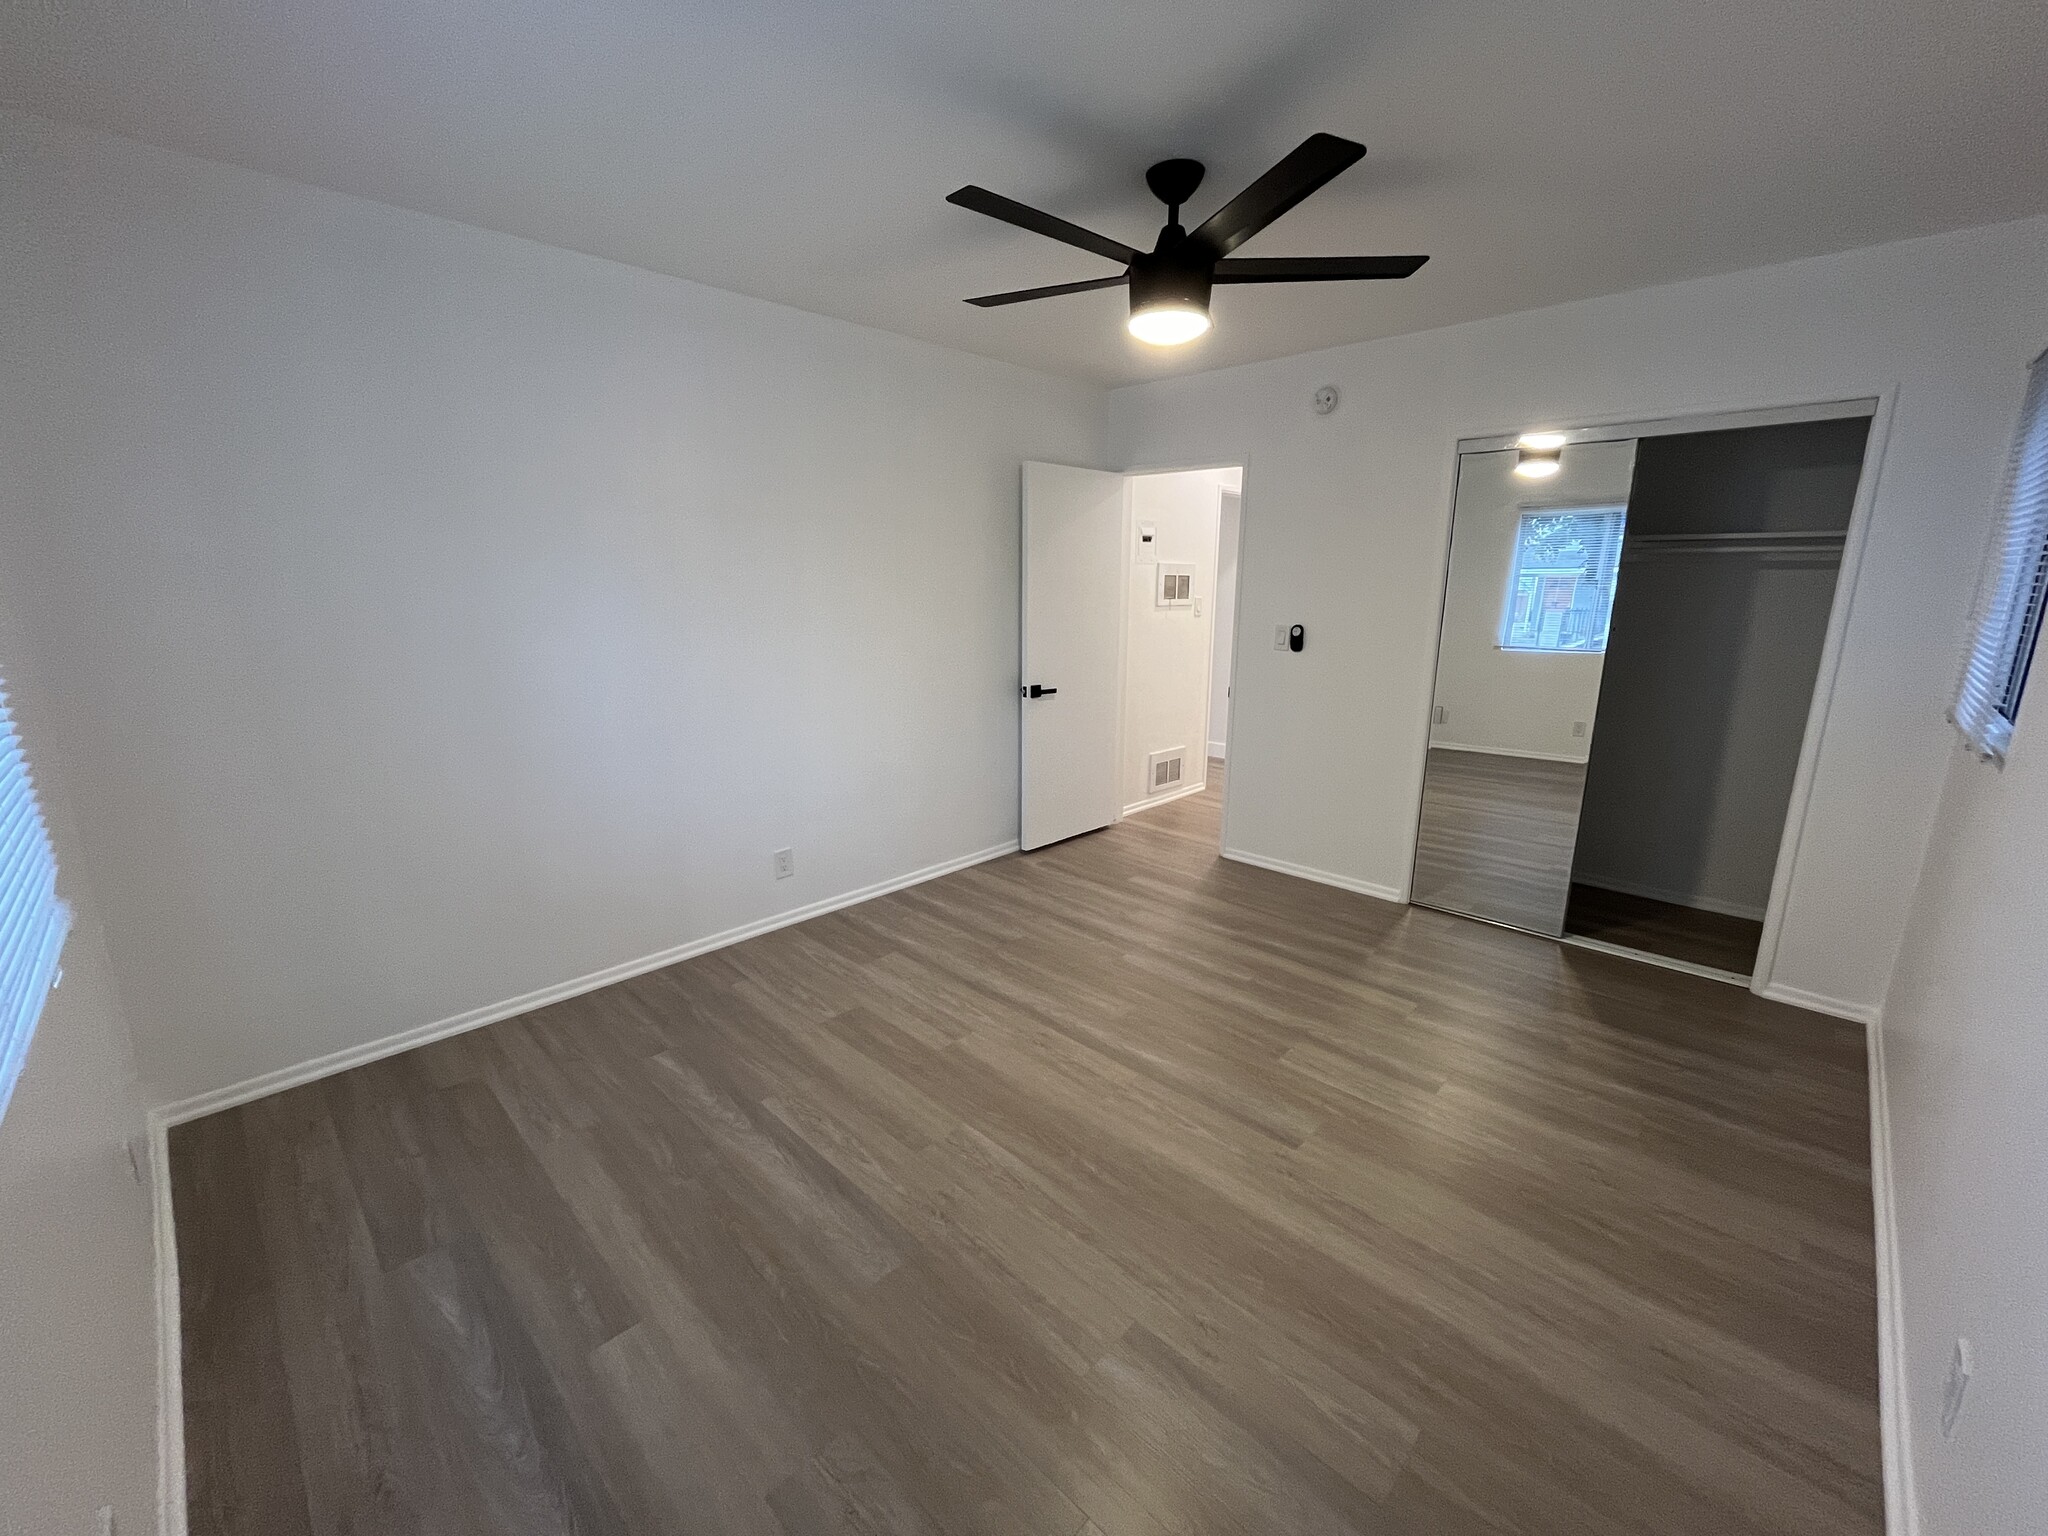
<point>1171,279</point>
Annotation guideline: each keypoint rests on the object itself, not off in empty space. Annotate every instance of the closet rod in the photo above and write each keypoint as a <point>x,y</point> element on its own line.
<point>1800,535</point>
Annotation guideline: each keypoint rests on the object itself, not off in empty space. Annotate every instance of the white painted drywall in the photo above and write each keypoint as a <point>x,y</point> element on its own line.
<point>433,616</point>
<point>1525,703</point>
<point>1710,668</point>
<point>77,1304</point>
<point>1966,1063</point>
<point>1227,535</point>
<point>1168,651</point>
<point>1348,534</point>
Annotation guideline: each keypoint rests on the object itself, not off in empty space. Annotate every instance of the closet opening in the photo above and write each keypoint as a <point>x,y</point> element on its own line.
<point>1726,583</point>
<point>1634,627</point>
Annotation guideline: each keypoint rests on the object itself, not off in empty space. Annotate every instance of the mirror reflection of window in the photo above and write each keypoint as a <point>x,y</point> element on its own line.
<point>1561,584</point>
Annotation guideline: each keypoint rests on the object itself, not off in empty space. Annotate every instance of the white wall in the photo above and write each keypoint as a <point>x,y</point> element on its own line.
<point>1347,535</point>
<point>1227,534</point>
<point>433,616</point>
<point>77,1306</point>
<point>1168,651</point>
<point>1966,1064</point>
<point>1530,703</point>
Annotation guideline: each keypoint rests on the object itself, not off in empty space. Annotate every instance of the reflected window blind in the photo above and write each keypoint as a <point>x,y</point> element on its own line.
<point>2014,586</point>
<point>33,921</point>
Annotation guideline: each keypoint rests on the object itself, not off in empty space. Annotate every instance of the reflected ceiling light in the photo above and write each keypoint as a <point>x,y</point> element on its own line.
<point>1537,454</point>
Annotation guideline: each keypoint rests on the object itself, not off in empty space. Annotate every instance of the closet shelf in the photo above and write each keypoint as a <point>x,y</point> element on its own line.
<point>1798,541</point>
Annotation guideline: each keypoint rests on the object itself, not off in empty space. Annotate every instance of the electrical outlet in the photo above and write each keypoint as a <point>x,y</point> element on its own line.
<point>1279,637</point>
<point>785,863</point>
<point>1441,715</point>
<point>1953,1387</point>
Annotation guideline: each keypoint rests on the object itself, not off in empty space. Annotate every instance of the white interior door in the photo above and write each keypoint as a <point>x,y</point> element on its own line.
<point>1073,630</point>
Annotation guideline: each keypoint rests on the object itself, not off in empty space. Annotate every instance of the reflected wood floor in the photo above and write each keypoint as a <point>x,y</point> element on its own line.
<point>1110,1189</point>
<point>1496,836</point>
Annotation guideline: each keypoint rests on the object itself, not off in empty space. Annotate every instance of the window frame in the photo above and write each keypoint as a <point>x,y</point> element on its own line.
<point>2011,607</point>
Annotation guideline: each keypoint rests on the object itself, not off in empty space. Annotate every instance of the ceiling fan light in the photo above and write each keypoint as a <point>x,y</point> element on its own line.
<point>1169,325</point>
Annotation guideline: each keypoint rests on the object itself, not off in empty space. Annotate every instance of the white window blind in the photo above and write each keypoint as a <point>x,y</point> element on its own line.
<point>32,920</point>
<point>1561,584</point>
<point>2013,588</point>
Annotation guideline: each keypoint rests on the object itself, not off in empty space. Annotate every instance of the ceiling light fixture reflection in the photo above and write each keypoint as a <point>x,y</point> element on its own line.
<point>1538,454</point>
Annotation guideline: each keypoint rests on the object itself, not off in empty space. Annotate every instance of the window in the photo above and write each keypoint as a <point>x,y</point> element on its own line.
<point>32,920</point>
<point>2014,586</point>
<point>1561,587</point>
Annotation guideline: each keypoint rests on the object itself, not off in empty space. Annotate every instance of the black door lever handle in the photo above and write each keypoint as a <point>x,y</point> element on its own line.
<point>1036,692</point>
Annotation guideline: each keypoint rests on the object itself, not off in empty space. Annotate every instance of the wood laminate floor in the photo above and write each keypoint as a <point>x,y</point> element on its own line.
<point>1496,836</point>
<point>1111,1190</point>
<point>1663,928</point>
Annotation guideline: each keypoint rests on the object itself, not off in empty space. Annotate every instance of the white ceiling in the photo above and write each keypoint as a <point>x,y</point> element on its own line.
<point>1540,150</point>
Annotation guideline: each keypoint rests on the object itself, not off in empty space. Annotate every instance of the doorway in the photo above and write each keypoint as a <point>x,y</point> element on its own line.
<point>1632,640</point>
<point>1128,628</point>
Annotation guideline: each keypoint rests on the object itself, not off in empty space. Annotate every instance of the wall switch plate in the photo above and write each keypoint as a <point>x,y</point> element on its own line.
<point>1279,637</point>
<point>785,863</point>
<point>1578,727</point>
<point>1953,1387</point>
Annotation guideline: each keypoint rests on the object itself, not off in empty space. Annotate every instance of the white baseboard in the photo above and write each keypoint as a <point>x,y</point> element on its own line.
<point>1901,1503</point>
<point>1216,750</point>
<point>1152,801</point>
<point>171,1515</point>
<point>1320,876</point>
<point>1814,1002</point>
<point>1676,898</point>
<point>268,1083</point>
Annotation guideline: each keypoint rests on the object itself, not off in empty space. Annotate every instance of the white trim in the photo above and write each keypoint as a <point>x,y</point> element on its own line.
<point>1320,876</point>
<point>1895,1429</point>
<point>1668,426</point>
<point>170,1339</point>
<point>268,1083</point>
<point>1650,957</point>
<point>1825,676</point>
<point>1541,757</point>
<point>1674,898</point>
<point>1157,800</point>
<point>1216,747</point>
<point>1816,1002</point>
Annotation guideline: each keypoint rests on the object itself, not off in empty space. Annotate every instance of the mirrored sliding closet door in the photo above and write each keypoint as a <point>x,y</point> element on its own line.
<point>1535,551</point>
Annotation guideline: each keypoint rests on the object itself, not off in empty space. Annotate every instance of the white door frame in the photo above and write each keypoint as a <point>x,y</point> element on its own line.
<point>1244,468</point>
<point>1878,408</point>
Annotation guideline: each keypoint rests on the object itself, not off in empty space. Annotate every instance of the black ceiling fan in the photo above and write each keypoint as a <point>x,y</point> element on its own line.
<point>1170,283</point>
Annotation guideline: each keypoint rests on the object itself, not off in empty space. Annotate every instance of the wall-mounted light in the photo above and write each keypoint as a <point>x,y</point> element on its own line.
<point>1169,303</point>
<point>1538,454</point>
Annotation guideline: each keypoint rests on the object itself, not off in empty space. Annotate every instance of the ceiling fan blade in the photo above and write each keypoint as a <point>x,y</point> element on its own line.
<point>1314,269</point>
<point>1319,158</point>
<point>991,300</point>
<point>996,206</point>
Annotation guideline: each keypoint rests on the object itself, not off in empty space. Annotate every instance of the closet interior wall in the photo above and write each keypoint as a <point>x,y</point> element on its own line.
<point>1728,577</point>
